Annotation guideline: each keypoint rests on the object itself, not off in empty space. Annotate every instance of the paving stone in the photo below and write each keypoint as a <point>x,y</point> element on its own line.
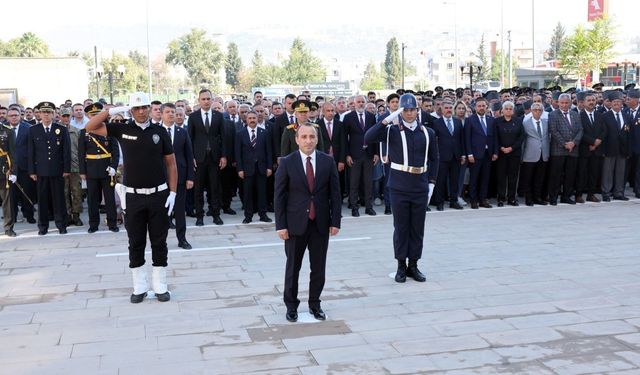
<point>439,345</point>
<point>472,327</point>
<point>354,353</point>
<point>521,336</point>
<point>587,364</point>
<point>632,339</point>
<point>268,362</point>
<point>612,327</point>
<point>351,368</point>
<point>514,310</point>
<point>546,320</point>
<point>465,359</point>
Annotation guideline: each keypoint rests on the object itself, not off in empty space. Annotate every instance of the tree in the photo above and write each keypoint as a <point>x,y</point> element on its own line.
<point>372,79</point>
<point>392,64</point>
<point>200,56</point>
<point>557,39</point>
<point>302,66</point>
<point>499,61</point>
<point>233,65</point>
<point>588,50</point>
<point>27,45</point>
<point>482,56</point>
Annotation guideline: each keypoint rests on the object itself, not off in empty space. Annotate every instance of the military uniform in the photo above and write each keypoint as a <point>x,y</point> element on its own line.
<point>73,183</point>
<point>7,169</point>
<point>288,142</point>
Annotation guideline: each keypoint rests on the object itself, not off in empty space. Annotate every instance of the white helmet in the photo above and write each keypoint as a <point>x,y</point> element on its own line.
<point>139,99</point>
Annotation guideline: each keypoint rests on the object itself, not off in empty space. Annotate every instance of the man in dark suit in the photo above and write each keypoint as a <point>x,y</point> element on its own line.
<point>615,150</point>
<point>590,150</point>
<point>253,161</point>
<point>206,131</point>
<point>360,156</point>
<point>229,175</point>
<point>481,144</point>
<point>332,132</point>
<point>565,129</point>
<point>450,138</point>
<point>21,160</point>
<point>308,211</point>
<point>184,162</point>
<point>633,97</point>
<point>49,162</point>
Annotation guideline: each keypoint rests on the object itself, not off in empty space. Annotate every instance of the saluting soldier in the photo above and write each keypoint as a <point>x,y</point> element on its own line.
<point>8,172</point>
<point>99,158</point>
<point>288,143</point>
<point>49,163</point>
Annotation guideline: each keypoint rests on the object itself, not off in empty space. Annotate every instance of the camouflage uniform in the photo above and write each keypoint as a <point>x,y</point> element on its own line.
<point>73,182</point>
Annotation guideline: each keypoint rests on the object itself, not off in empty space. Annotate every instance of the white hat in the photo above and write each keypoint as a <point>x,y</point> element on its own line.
<point>139,99</point>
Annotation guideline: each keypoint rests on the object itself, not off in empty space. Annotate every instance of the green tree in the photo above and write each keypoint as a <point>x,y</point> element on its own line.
<point>199,55</point>
<point>392,64</point>
<point>482,56</point>
<point>372,79</point>
<point>501,60</point>
<point>302,66</point>
<point>557,39</point>
<point>233,65</point>
<point>27,45</point>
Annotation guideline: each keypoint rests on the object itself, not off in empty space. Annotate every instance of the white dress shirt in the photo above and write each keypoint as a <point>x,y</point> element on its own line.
<point>304,161</point>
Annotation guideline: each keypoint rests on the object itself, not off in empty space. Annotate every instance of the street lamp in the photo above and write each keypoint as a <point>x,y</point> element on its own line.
<point>470,71</point>
<point>120,74</point>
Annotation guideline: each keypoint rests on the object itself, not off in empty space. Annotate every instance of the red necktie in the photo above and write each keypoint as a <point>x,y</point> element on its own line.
<point>312,182</point>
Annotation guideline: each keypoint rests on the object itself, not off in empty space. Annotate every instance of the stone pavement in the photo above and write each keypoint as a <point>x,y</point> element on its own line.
<point>542,290</point>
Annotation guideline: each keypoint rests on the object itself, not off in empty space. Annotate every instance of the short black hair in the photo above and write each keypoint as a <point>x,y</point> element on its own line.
<point>156,102</point>
<point>290,96</point>
<point>166,105</point>
<point>257,92</point>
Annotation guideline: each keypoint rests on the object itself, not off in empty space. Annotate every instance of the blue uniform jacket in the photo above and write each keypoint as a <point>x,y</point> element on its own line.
<point>49,155</point>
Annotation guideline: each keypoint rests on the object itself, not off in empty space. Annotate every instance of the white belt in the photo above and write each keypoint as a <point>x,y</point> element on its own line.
<point>408,169</point>
<point>147,191</point>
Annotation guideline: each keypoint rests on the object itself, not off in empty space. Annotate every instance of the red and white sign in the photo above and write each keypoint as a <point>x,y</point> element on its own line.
<point>596,9</point>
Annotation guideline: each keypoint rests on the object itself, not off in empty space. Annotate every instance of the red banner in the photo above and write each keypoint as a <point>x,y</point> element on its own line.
<point>596,9</point>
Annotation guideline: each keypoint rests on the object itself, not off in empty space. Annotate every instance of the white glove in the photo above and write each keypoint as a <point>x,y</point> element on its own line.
<point>393,116</point>
<point>431,188</point>
<point>115,110</point>
<point>121,190</point>
<point>13,178</point>
<point>171,200</point>
<point>111,171</point>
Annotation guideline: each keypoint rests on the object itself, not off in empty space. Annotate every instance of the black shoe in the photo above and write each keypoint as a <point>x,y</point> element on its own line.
<point>539,202</point>
<point>10,233</point>
<point>172,225</point>
<point>387,210</point>
<point>137,298</point>
<point>529,203</point>
<point>355,212</point>
<point>370,212</point>
<point>474,205</point>
<point>184,245</point>
<point>77,222</point>
<point>317,313</point>
<point>567,201</point>
<point>513,203</point>
<point>265,219</point>
<point>620,198</point>
<point>401,273</point>
<point>42,232</point>
<point>440,207</point>
<point>485,204</point>
<point>92,230</point>
<point>229,211</point>
<point>553,202</point>
<point>456,206</point>
<point>428,208</point>
<point>414,272</point>
<point>62,231</point>
<point>31,220</point>
<point>217,220</point>
<point>246,220</point>
<point>606,199</point>
<point>163,297</point>
<point>500,204</point>
<point>114,229</point>
<point>199,222</point>
<point>292,316</point>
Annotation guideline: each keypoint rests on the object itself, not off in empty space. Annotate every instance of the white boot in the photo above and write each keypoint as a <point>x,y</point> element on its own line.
<point>140,284</point>
<point>159,282</point>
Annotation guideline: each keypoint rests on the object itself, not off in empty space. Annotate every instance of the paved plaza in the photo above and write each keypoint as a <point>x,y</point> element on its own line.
<point>542,290</point>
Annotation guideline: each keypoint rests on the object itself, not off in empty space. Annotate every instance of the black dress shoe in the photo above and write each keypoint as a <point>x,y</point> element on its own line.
<point>229,211</point>
<point>620,198</point>
<point>579,199</point>
<point>529,203</point>
<point>292,316</point>
<point>199,222</point>
<point>370,212</point>
<point>163,297</point>
<point>172,225</point>
<point>317,313</point>
<point>553,202</point>
<point>414,272</point>
<point>540,202</point>
<point>387,210</point>
<point>567,201</point>
<point>440,207</point>
<point>217,220</point>
<point>31,220</point>
<point>114,229</point>
<point>184,245</point>
<point>265,219</point>
<point>246,220</point>
<point>500,204</point>
<point>137,298</point>
<point>42,232</point>
<point>401,273</point>
<point>10,233</point>
<point>455,205</point>
<point>355,212</point>
<point>606,199</point>
<point>92,230</point>
<point>474,205</point>
<point>513,203</point>
<point>485,204</point>
<point>428,208</point>
<point>62,231</point>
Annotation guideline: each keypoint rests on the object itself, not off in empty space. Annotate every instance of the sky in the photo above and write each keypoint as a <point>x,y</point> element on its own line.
<point>271,26</point>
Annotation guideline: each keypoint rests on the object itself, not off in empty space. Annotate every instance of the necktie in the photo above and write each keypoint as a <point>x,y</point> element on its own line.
<point>449,126</point>
<point>539,128</point>
<point>329,130</point>
<point>591,118</point>
<point>291,120</point>
<point>311,181</point>
<point>361,122</point>
<point>618,119</point>
<point>484,125</point>
<point>169,131</point>
<point>566,116</point>
<point>207,124</point>
<point>253,137</point>
<point>47,129</point>
<point>233,118</point>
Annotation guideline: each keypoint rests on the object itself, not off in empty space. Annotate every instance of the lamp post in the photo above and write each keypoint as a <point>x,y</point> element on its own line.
<point>403,47</point>
<point>110,78</point>
<point>470,71</point>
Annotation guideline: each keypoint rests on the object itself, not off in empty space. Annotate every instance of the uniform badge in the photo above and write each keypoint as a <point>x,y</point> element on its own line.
<point>156,139</point>
<point>57,132</point>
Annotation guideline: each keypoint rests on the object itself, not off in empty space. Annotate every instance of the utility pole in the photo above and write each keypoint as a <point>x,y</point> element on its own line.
<point>510,60</point>
<point>95,58</point>
<point>403,47</point>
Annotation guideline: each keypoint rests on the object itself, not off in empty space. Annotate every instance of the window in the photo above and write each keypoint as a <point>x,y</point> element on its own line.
<point>449,66</point>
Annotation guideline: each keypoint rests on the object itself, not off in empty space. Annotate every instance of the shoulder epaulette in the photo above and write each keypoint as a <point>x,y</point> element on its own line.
<point>316,126</point>
<point>292,126</point>
<point>7,126</point>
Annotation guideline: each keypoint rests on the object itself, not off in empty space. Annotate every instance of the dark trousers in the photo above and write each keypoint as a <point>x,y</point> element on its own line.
<point>147,213</point>
<point>409,212</point>
<point>255,186</point>
<point>385,178</point>
<point>51,188</point>
<point>361,172</point>
<point>532,179</point>
<point>96,188</point>
<point>294,247</point>
<point>636,185</point>
<point>229,185</point>
<point>589,174</point>
<point>179,212</point>
<point>562,174</point>
<point>18,198</point>
<point>508,167</point>
<point>448,173</point>
<point>207,177</point>
<point>188,205</point>
<point>479,173</point>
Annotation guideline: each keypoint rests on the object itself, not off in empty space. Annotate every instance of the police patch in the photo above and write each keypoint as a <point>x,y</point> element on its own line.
<point>156,139</point>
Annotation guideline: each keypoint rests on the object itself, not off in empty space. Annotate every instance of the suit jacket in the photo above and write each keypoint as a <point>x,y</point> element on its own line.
<point>356,147</point>
<point>616,142</point>
<point>634,136</point>
<point>476,141</point>
<point>337,141</point>
<point>534,145</point>
<point>293,198</point>
<point>281,122</point>
<point>199,136</point>
<point>510,134</point>
<point>426,119</point>
<point>230,139</point>
<point>183,151</point>
<point>20,157</point>
<point>450,146</point>
<point>252,160</point>
<point>49,154</point>
<point>561,133</point>
<point>591,132</point>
